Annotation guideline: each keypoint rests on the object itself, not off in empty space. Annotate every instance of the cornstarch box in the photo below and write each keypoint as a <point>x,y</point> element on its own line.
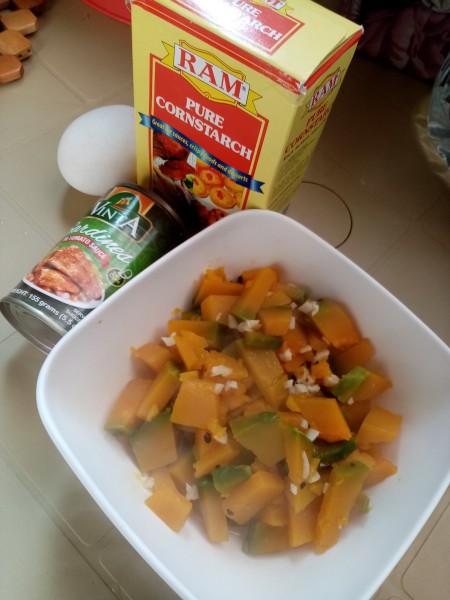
<point>232,97</point>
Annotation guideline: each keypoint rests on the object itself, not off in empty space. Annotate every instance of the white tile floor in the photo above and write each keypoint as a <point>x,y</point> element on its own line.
<point>392,217</point>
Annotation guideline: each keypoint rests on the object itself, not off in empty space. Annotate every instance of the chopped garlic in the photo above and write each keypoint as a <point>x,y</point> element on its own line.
<point>222,438</point>
<point>292,322</point>
<point>169,340</point>
<point>294,489</point>
<point>321,355</point>
<point>286,356</point>
<point>326,485</point>
<point>314,477</point>
<point>191,492</point>
<point>310,307</point>
<point>313,388</point>
<point>331,380</point>
<point>305,465</point>
<point>217,370</point>
<point>218,388</point>
<point>148,482</point>
<point>300,388</point>
<point>249,325</point>
<point>312,434</point>
<point>350,400</point>
<point>304,424</point>
<point>231,385</point>
<point>305,349</point>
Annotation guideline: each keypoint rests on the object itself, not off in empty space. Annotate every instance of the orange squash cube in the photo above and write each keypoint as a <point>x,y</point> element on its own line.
<point>344,487</point>
<point>246,500</point>
<point>253,295</point>
<point>380,425</point>
<point>335,324</point>
<point>302,524</point>
<point>191,348</point>
<point>357,355</point>
<point>153,355</point>
<point>323,414</point>
<point>123,416</point>
<point>170,506</point>
<point>196,405</point>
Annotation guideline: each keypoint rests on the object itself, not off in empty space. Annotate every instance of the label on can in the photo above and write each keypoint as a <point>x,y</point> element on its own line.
<point>125,231</point>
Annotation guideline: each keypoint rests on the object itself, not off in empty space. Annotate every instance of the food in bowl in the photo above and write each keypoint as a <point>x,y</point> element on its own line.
<point>87,368</point>
<point>258,411</point>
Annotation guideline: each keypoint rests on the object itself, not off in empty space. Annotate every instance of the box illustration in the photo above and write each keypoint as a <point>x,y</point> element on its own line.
<point>232,96</point>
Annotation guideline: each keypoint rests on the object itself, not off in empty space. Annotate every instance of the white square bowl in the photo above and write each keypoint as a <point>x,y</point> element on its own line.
<point>85,371</point>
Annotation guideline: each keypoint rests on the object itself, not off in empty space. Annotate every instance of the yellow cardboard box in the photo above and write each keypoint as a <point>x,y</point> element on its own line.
<point>232,96</point>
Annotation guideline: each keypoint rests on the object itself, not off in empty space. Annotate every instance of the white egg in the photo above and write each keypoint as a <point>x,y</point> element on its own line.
<point>98,150</point>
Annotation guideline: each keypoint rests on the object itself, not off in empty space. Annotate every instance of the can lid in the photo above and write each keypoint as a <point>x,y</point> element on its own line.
<point>182,219</point>
<point>32,326</point>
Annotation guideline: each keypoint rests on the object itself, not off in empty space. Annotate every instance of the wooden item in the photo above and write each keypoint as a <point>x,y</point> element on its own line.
<point>14,43</point>
<point>37,6</point>
<point>11,68</point>
<point>23,20</point>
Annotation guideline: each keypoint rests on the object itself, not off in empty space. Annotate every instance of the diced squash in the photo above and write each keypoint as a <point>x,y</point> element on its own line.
<point>153,355</point>
<point>276,298</point>
<point>357,355</point>
<point>275,320</point>
<point>300,497</point>
<point>374,385</point>
<point>301,524</point>
<point>222,454</point>
<point>172,507</point>
<point>203,443</point>
<point>214,282</point>
<point>360,384</point>
<point>292,419</point>
<point>267,372</point>
<point>299,451</point>
<point>262,434</point>
<point>197,405</point>
<point>380,425</point>
<point>344,487</point>
<point>329,453</point>
<point>355,413</point>
<point>227,477</point>
<point>295,365</point>
<point>182,470</point>
<point>323,414</point>
<point>263,538</point>
<point>246,500</point>
<point>211,330</point>
<point>254,294</point>
<point>321,370</point>
<point>316,340</point>
<point>381,469</point>
<point>154,443</point>
<point>335,324</point>
<point>191,348</point>
<point>275,514</point>
<point>296,292</point>
<point>123,416</point>
<point>295,340</point>
<point>256,339</point>
<point>163,388</point>
<point>217,307</point>
<point>220,365</point>
<point>211,508</point>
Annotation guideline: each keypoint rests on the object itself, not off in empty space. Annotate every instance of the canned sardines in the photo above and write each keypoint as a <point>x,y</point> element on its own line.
<point>126,230</point>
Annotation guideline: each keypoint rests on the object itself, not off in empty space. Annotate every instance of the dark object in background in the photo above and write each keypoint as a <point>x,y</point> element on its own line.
<point>411,36</point>
<point>439,112</point>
